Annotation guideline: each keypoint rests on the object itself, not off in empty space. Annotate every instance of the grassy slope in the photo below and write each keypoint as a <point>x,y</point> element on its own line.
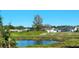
<point>27,35</point>
<point>55,36</point>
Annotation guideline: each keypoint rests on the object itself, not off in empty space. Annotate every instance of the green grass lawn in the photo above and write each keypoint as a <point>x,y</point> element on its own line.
<point>27,33</point>
<point>55,36</point>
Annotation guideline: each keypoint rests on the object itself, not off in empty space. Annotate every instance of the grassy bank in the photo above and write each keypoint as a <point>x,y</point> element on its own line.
<point>27,35</point>
<point>35,35</point>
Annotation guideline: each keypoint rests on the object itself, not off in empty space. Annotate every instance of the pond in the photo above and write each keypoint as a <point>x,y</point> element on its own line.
<point>24,43</point>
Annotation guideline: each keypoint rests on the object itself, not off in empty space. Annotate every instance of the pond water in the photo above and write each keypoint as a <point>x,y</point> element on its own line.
<point>24,43</point>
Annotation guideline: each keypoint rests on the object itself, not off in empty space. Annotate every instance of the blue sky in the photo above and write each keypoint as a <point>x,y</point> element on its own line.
<point>52,17</point>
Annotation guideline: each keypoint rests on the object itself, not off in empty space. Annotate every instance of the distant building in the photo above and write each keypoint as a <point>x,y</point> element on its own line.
<point>18,30</point>
<point>75,29</point>
<point>15,30</point>
<point>68,29</point>
<point>51,30</point>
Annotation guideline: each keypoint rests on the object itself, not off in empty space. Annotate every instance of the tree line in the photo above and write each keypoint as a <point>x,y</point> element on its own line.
<point>39,26</point>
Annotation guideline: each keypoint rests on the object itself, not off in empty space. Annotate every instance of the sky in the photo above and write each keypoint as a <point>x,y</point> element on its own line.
<point>52,17</point>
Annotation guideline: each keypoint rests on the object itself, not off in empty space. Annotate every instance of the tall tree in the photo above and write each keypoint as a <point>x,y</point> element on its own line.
<point>1,33</point>
<point>1,21</point>
<point>37,23</point>
<point>5,37</point>
<point>10,42</point>
<point>1,26</point>
<point>47,26</point>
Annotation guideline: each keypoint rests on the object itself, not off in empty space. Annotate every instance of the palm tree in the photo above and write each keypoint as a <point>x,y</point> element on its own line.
<point>6,41</point>
<point>10,42</point>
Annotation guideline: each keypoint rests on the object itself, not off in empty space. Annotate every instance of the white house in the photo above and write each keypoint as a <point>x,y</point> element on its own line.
<point>51,30</point>
<point>75,29</point>
<point>56,30</point>
<point>17,30</point>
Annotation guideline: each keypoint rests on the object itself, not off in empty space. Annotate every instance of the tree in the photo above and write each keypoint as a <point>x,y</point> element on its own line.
<point>9,41</point>
<point>6,40</point>
<point>11,26</point>
<point>37,23</point>
<point>47,26</point>
<point>20,27</point>
<point>1,26</point>
<point>1,32</point>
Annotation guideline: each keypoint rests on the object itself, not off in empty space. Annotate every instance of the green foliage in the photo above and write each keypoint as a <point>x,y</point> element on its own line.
<point>19,27</point>
<point>5,39</point>
<point>47,26</point>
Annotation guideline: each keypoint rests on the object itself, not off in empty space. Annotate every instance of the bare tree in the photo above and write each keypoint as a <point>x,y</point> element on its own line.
<point>37,23</point>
